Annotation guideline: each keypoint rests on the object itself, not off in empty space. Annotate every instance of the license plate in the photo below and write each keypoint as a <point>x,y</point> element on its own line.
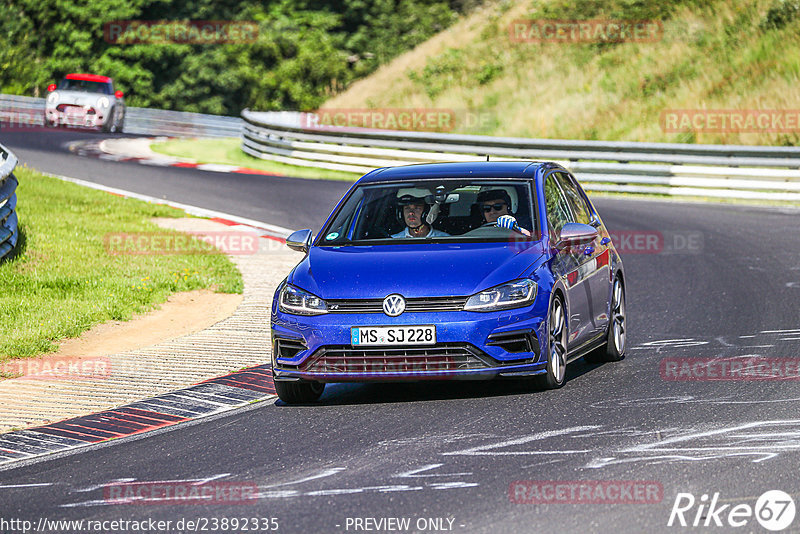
<point>361,336</point>
<point>74,119</point>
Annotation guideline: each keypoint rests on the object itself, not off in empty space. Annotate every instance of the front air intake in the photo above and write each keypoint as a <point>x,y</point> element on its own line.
<point>287,348</point>
<point>515,342</point>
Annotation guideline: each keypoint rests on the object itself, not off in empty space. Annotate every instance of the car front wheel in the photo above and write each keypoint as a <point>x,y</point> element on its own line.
<point>299,392</point>
<point>556,370</point>
<point>110,125</point>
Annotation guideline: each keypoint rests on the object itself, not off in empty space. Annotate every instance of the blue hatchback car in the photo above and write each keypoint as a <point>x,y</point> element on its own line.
<point>450,271</point>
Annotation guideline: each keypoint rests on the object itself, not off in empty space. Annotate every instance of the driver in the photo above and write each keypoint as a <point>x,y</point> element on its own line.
<point>412,210</point>
<point>496,207</point>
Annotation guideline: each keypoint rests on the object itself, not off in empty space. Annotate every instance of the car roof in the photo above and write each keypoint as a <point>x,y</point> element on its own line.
<point>469,169</point>
<point>88,77</point>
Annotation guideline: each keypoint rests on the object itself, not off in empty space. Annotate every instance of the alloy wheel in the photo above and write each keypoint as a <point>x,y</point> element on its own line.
<point>618,316</point>
<point>558,345</point>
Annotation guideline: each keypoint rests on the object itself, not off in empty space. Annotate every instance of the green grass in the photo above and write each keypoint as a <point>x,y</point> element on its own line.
<point>228,151</point>
<point>61,280</point>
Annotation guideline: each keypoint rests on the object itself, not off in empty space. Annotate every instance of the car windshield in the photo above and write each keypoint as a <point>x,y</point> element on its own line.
<point>433,210</point>
<point>86,86</point>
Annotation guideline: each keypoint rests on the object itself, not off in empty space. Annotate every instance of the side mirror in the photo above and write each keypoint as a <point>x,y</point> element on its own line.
<point>51,88</point>
<point>118,93</point>
<point>574,234</point>
<point>300,240</point>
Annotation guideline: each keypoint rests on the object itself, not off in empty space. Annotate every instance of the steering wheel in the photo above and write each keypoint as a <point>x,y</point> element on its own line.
<point>494,224</point>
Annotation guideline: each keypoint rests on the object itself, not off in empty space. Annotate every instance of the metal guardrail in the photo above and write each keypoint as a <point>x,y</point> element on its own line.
<point>733,171</point>
<point>25,111</point>
<point>8,202</point>
<point>148,121</point>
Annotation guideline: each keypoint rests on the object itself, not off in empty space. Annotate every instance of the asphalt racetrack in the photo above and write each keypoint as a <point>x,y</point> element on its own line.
<point>722,285</point>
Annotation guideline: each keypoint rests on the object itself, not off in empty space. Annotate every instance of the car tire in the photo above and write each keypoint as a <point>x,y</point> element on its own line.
<point>299,392</point>
<point>110,126</point>
<point>556,370</point>
<point>613,350</point>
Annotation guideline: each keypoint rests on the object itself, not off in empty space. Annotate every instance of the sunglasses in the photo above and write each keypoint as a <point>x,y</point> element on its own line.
<point>496,207</point>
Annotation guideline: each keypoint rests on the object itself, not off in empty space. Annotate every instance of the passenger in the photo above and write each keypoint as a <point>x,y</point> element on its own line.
<point>412,210</point>
<point>496,207</point>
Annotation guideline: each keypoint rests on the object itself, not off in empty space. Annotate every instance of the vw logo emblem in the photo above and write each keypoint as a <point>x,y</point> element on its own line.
<point>394,305</point>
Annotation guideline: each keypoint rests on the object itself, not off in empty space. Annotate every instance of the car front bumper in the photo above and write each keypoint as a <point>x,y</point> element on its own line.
<point>469,346</point>
<point>85,120</point>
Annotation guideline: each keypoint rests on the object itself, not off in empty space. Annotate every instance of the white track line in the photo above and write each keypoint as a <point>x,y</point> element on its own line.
<point>191,210</point>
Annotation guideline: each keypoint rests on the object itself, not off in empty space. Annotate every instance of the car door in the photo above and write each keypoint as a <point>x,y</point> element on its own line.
<point>595,261</point>
<point>567,263</point>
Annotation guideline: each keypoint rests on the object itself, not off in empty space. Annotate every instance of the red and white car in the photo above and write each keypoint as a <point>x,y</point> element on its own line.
<point>85,100</point>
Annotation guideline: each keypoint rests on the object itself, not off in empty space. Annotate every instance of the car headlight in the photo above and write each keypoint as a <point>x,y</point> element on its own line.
<point>103,102</point>
<point>300,302</point>
<point>511,295</point>
<point>52,98</point>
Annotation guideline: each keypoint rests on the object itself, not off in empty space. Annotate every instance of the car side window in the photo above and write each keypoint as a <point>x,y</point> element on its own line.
<point>579,207</point>
<point>558,213</point>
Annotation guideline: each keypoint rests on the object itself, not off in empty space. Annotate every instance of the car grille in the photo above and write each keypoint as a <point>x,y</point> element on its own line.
<point>423,304</point>
<point>382,360</point>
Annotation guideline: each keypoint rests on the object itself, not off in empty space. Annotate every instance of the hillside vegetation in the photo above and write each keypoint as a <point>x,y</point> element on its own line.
<point>714,55</point>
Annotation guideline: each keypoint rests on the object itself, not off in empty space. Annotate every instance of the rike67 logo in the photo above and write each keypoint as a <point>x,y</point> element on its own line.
<point>774,510</point>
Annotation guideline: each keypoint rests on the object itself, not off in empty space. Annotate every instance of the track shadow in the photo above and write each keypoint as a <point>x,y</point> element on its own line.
<point>345,394</point>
